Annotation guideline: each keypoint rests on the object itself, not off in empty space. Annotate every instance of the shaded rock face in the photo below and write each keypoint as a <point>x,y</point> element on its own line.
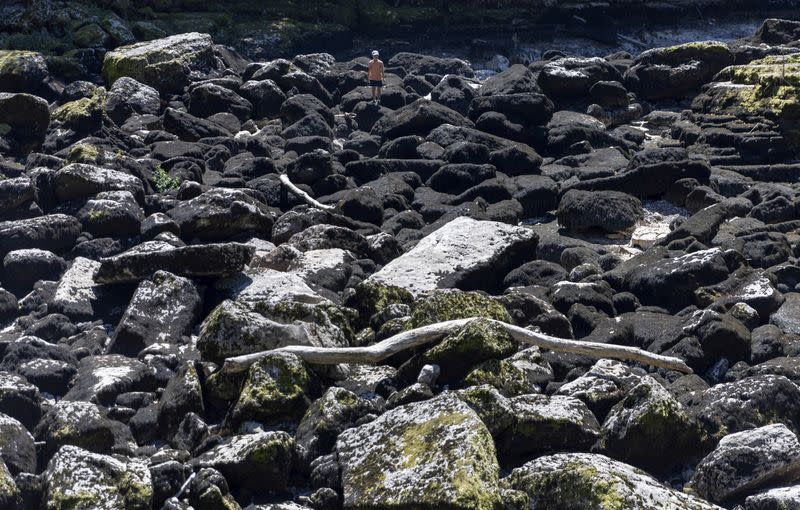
<point>151,250</point>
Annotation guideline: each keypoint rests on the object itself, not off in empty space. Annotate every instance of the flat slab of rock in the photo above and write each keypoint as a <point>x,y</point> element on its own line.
<point>55,232</point>
<point>584,480</point>
<point>746,461</point>
<point>464,253</point>
<point>432,454</point>
<point>194,261</point>
<point>76,291</point>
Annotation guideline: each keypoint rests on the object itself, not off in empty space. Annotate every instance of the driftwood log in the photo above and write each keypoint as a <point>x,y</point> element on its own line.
<point>434,332</point>
<point>305,197</point>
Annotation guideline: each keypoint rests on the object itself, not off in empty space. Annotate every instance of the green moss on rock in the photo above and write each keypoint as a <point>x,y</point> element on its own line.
<point>85,114</point>
<point>372,297</point>
<point>445,305</point>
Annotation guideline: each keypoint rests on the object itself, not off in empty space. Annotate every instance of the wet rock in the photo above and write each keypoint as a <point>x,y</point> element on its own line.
<point>163,310</point>
<point>193,261</point>
<point>583,480</point>
<point>76,478</point>
<point>162,63</point>
<point>747,461</point>
<point>423,454</point>
<point>456,255</point>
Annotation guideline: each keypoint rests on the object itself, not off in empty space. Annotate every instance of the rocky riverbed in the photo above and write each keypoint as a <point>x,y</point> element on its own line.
<point>148,234</point>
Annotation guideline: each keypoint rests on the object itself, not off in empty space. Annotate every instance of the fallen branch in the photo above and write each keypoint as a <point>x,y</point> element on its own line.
<point>303,195</point>
<point>429,334</point>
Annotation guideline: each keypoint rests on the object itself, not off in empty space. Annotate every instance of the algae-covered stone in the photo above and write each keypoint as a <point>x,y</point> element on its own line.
<point>78,479</point>
<point>446,305</point>
<point>9,492</point>
<point>85,114</point>
<point>277,388</point>
<point>581,480</point>
<point>524,372</point>
<point>163,63</point>
<point>427,455</point>
<point>21,71</point>
<point>260,462</point>
<point>336,410</point>
<point>372,297</point>
<point>478,341</point>
<point>650,429</point>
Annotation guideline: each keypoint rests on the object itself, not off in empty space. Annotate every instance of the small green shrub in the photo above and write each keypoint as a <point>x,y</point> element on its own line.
<point>163,180</point>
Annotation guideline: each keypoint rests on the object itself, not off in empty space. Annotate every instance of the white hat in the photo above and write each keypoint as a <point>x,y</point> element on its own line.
<point>375,53</point>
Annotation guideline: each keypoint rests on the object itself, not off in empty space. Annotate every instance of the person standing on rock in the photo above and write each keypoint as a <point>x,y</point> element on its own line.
<point>376,77</point>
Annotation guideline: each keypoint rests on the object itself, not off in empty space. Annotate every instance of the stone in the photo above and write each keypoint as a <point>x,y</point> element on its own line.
<point>80,181</point>
<point>17,449</point>
<point>774,499</point>
<point>55,232</point>
<point>459,255</point>
<point>164,64</point>
<point>128,97</point>
<point>419,118</point>
<point>101,378</point>
<point>78,479</point>
<point>76,293</point>
<point>746,461</point>
<point>421,455</point>
<point>269,454</point>
<point>584,480</point>
<point>787,317</point>
<point>219,214</point>
<point>25,117</point>
<point>146,259</point>
<point>610,211</point>
<point>21,71</point>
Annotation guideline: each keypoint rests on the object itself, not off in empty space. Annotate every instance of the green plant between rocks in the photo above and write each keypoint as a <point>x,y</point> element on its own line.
<point>163,181</point>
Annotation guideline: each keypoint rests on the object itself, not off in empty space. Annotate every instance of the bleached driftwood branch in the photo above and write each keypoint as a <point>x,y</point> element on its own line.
<point>303,195</point>
<point>429,334</point>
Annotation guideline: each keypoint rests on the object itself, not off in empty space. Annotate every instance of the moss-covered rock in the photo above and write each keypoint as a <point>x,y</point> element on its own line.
<point>259,462</point>
<point>445,305</point>
<point>429,455</point>
<point>85,114</point>
<point>768,87</point>
<point>336,410</point>
<point>524,372</point>
<point>650,429</point>
<point>478,341</point>
<point>9,492</point>
<point>583,480</point>
<point>372,297</point>
<point>21,71</point>
<point>277,389</point>
<point>91,35</point>
<point>77,479</point>
<point>164,64</point>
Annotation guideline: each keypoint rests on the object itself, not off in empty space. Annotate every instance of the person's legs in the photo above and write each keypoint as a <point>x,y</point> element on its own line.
<point>374,94</point>
<point>380,89</point>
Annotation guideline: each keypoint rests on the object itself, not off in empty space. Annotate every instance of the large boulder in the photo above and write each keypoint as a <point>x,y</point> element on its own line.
<point>78,479</point>
<point>23,120</point>
<point>747,461</point>
<point>464,253</point>
<point>162,63</point>
<point>55,232</point>
<point>583,480</point>
<point>572,77</point>
<point>675,71</point>
<point>415,63</point>
<point>193,261</point>
<point>221,213</point>
<point>128,97</point>
<point>79,181</point>
<point>163,309</point>
<point>418,118</point>
<point>21,71</point>
<point>426,455</point>
<point>610,211</point>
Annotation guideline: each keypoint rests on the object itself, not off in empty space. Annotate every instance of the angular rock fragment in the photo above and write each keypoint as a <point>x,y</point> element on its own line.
<point>464,253</point>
